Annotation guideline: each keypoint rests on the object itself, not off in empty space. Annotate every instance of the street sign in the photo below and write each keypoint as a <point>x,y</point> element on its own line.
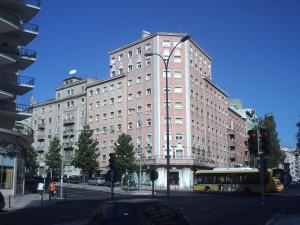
<point>153,175</point>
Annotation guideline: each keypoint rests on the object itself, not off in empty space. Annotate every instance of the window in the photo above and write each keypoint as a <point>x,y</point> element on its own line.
<point>148,91</point>
<point>148,61</point>
<point>98,104</point>
<point>179,137</point>
<point>130,111</point>
<point>50,120</point>
<point>129,54</point>
<point>148,46</point>
<point>119,85</point>
<point>90,119</point>
<point>139,65</point>
<point>129,68</point>
<point>81,114</point>
<point>178,105</point>
<point>119,98</point>
<point>179,120</point>
<point>175,43</point>
<point>97,117</point>
<point>169,104</point>
<point>166,43</point>
<point>120,57</point>
<point>104,116</point>
<point>90,105</point>
<point>138,79</point>
<point>164,89</point>
<point>112,114</point>
<point>177,58</point>
<point>139,94</point>
<point>104,144</point>
<point>82,88</point>
<point>139,109</point>
<point>113,73</point>
<point>104,89</point>
<point>112,60</point>
<point>148,122</point>
<point>121,71</point>
<point>58,95</point>
<point>98,91</point>
<point>169,73</point>
<point>112,101</point>
<point>91,93</point>
<point>82,100</point>
<point>129,125</point>
<point>111,142</point>
<point>104,102</point>
<point>58,106</point>
<point>148,107</point>
<point>112,87</point>
<point>178,89</point>
<point>139,51</point>
<point>165,120</point>
<point>148,76</point>
<point>119,112</point>
<point>130,96</point>
<point>177,74</point>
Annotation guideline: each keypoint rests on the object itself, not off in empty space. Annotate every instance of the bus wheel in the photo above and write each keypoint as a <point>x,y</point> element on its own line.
<point>207,189</point>
<point>247,190</point>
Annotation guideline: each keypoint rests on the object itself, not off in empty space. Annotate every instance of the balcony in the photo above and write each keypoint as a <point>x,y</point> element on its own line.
<point>21,130</point>
<point>41,137</point>
<point>8,22</point>
<point>10,109</point>
<point>27,8</point>
<point>26,33</point>
<point>68,146</point>
<point>68,121</point>
<point>16,84</point>
<point>68,133</point>
<point>41,126</point>
<point>24,57</point>
<point>232,155</point>
<point>40,149</point>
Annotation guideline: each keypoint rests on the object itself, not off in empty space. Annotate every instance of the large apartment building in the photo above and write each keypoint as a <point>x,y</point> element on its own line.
<point>64,117</point>
<point>133,101</point>
<point>15,137</point>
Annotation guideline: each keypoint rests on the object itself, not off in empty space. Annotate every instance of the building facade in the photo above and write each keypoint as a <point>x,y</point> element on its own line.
<point>198,108</point>
<point>15,137</point>
<point>293,161</point>
<point>64,117</point>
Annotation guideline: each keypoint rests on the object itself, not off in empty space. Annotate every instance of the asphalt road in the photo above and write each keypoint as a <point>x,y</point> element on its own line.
<point>199,209</point>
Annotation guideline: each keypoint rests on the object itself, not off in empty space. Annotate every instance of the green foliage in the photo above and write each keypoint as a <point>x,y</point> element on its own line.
<point>31,159</point>
<point>125,154</point>
<point>276,156</point>
<point>86,154</point>
<point>298,136</point>
<point>53,157</point>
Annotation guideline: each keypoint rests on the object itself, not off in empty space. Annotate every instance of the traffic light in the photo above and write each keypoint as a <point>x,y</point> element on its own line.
<point>265,141</point>
<point>252,142</point>
<point>112,160</point>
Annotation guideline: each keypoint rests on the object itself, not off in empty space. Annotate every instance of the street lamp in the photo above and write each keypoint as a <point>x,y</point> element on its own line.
<point>166,63</point>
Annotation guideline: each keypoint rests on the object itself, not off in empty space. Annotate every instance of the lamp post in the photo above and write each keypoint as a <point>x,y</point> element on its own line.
<point>166,64</point>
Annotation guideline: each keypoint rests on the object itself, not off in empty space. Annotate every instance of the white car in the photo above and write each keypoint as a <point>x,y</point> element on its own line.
<point>96,181</point>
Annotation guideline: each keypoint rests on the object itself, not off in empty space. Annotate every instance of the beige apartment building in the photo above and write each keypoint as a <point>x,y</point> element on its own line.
<point>15,137</point>
<point>132,101</point>
<point>64,117</point>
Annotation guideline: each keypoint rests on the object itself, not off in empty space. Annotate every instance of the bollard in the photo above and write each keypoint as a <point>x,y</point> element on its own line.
<point>42,199</point>
<point>9,201</point>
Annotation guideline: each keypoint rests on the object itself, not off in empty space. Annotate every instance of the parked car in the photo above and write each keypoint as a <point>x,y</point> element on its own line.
<point>74,179</point>
<point>2,202</point>
<point>136,212</point>
<point>96,181</point>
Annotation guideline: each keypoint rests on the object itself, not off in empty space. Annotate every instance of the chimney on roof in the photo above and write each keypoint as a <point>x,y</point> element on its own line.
<point>145,34</point>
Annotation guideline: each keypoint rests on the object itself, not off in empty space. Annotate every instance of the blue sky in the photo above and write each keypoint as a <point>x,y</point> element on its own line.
<point>255,45</point>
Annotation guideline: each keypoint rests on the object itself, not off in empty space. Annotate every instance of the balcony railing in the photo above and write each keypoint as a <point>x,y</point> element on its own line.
<point>68,145</point>
<point>15,52</point>
<point>23,129</point>
<point>41,126</point>
<point>10,18</point>
<point>8,106</point>
<point>69,120</point>
<point>41,137</point>
<point>32,2</point>
<point>67,133</point>
<point>29,27</point>
<point>10,78</point>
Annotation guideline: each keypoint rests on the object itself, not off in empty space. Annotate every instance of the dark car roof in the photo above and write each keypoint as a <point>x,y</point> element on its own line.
<point>134,201</point>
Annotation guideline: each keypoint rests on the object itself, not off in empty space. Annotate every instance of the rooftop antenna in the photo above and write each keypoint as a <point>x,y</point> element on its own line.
<point>73,72</point>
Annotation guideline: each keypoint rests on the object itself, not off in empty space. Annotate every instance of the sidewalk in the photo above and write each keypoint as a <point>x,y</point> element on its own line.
<point>284,219</point>
<point>29,200</point>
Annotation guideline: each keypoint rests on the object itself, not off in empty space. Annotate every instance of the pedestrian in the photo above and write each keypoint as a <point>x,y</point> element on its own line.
<point>52,189</point>
<point>40,188</point>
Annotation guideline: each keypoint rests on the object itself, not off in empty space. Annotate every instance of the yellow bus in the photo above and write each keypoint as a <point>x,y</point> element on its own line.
<point>235,180</point>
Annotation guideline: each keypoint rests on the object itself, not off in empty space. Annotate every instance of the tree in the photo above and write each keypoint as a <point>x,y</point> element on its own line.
<point>53,157</point>
<point>298,136</point>
<point>125,154</point>
<point>31,159</point>
<point>86,154</point>
<point>276,156</point>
